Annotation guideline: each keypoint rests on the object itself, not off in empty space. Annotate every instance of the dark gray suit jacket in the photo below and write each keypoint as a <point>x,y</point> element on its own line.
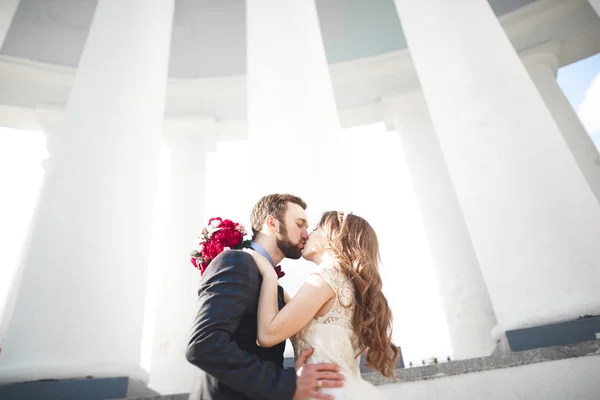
<point>223,340</point>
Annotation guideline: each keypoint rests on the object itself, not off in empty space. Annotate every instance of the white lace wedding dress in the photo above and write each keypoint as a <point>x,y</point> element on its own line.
<point>331,337</point>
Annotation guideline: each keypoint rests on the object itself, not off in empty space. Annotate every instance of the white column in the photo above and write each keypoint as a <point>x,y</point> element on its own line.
<point>8,8</point>
<point>542,65</point>
<point>292,115</point>
<point>174,281</point>
<point>80,306</point>
<point>532,218</point>
<point>465,300</point>
<point>596,5</point>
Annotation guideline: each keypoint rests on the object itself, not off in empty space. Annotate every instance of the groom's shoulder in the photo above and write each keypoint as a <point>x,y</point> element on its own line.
<point>231,267</point>
<point>234,261</point>
<point>237,257</point>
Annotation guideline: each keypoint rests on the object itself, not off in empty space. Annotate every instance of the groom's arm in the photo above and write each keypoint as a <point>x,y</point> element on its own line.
<point>225,292</point>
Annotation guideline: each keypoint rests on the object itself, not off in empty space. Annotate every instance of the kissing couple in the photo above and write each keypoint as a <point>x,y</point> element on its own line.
<point>244,317</point>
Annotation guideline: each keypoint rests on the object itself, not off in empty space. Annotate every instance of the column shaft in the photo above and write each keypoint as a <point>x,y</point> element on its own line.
<point>292,115</point>
<point>174,279</point>
<point>80,305</point>
<point>532,218</point>
<point>465,299</point>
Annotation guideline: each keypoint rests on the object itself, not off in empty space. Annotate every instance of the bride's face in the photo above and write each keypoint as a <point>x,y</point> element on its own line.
<point>313,249</point>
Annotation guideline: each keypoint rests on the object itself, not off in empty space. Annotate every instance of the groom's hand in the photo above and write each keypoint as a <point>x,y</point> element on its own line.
<point>311,377</point>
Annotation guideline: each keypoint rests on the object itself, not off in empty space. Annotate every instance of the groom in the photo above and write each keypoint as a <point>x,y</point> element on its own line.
<point>223,340</point>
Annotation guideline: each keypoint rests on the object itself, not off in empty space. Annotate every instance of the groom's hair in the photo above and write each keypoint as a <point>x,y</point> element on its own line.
<point>272,204</point>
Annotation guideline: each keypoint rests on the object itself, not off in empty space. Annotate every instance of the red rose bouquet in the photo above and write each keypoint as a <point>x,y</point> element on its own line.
<point>218,235</point>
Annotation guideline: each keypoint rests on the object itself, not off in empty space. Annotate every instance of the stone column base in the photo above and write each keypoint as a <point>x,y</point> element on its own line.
<point>583,329</point>
<point>89,389</point>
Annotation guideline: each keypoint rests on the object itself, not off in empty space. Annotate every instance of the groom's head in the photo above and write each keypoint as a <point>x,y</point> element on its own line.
<point>281,218</point>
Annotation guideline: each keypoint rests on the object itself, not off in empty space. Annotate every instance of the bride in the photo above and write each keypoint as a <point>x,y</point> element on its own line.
<point>340,311</point>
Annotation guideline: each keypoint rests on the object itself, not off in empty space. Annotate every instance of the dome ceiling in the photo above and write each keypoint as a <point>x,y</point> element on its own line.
<point>209,35</point>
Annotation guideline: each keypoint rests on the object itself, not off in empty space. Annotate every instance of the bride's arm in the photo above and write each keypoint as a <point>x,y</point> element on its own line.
<point>275,326</point>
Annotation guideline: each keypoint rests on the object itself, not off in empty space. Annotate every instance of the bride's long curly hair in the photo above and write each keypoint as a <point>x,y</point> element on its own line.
<point>353,243</point>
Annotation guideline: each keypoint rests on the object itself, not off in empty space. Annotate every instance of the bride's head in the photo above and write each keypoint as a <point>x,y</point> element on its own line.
<point>338,232</point>
<point>352,244</point>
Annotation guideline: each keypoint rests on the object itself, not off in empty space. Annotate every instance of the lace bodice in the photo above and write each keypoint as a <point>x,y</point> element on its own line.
<point>343,303</point>
<point>331,335</point>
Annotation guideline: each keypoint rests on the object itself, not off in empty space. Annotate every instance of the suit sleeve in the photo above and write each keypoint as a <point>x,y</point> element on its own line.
<point>223,296</point>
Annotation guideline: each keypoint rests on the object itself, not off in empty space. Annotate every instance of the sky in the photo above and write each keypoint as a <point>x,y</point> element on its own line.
<point>580,83</point>
<point>409,282</point>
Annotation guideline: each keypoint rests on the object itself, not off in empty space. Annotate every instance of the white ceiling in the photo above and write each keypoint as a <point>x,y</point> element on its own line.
<point>209,35</point>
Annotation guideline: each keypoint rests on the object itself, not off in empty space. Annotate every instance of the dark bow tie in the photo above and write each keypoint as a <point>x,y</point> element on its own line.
<point>280,273</point>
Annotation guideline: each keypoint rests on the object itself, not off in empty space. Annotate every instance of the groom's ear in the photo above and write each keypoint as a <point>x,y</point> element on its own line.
<point>271,223</point>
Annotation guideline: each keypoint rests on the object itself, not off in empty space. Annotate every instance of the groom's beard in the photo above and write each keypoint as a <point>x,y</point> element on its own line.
<point>287,247</point>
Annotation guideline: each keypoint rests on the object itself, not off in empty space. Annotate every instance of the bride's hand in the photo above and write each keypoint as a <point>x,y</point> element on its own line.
<point>264,266</point>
